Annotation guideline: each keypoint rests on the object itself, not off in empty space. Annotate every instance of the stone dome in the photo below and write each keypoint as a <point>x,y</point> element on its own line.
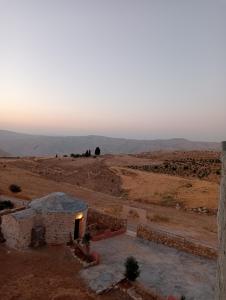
<point>58,202</point>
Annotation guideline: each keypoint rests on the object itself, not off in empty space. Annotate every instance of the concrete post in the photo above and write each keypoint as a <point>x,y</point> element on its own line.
<point>221,265</point>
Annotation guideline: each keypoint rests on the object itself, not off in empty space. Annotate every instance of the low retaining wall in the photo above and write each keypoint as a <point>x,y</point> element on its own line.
<point>175,241</point>
<point>105,221</point>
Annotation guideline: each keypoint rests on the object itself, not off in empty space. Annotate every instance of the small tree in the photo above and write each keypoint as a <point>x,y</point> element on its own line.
<point>14,188</point>
<point>97,151</point>
<point>132,268</point>
<point>86,241</point>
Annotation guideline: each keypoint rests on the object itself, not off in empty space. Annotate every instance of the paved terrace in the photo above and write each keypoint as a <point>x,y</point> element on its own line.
<point>164,270</point>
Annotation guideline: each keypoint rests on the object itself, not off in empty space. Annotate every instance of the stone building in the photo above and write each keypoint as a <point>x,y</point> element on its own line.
<point>221,267</point>
<point>54,219</point>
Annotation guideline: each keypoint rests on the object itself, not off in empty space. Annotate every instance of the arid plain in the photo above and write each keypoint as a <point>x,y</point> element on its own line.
<point>178,191</point>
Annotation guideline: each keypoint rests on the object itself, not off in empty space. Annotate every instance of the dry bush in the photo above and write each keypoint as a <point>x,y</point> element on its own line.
<point>133,214</point>
<point>168,200</point>
<point>158,218</point>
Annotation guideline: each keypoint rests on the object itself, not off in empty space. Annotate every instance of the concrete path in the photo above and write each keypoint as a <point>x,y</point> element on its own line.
<point>102,277</point>
<point>164,270</point>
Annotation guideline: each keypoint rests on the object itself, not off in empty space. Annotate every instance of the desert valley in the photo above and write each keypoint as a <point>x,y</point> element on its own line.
<point>112,150</point>
<point>173,192</point>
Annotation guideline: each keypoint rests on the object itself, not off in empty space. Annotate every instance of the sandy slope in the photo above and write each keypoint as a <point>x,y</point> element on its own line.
<point>167,190</point>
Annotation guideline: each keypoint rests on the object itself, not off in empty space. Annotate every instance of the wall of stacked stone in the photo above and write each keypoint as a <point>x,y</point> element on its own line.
<point>161,237</point>
<point>104,220</point>
<point>17,232</point>
<point>60,227</point>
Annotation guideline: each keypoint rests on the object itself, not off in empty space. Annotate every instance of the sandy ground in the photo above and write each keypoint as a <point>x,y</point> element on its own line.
<point>163,269</point>
<point>49,273</point>
<point>168,190</point>
<point>106,184</point>
<point>35,184</point>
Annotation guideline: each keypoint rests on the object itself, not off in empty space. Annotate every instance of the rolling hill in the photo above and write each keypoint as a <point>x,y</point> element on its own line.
<point>38,145</point>
<point>4,153</point>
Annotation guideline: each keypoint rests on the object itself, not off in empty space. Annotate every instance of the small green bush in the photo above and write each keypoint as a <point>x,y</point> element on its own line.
<point>132,268</point>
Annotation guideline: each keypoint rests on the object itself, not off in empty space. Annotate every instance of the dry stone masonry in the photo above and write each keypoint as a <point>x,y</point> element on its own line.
<point>146,232</point>
<point>53,219</point>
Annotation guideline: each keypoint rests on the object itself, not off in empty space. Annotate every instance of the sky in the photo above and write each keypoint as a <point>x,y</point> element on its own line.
<point>123,68</point>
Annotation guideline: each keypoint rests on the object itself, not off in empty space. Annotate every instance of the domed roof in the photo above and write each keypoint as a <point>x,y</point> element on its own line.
<point>58,202</point>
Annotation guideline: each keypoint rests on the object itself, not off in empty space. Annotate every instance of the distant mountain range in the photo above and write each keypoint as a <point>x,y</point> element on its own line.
<point>3,153</point>
<point>18,144</point>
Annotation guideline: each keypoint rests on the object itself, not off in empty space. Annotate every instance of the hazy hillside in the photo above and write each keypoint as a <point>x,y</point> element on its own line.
<point>3,153</point>
<point>26,144</point>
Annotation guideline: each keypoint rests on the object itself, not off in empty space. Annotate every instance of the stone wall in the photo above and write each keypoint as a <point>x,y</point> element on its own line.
<point>17,232</point>
<point>162,237</point>
<point>59,227</point>
<point>221,266</point>
<point>105,221</point>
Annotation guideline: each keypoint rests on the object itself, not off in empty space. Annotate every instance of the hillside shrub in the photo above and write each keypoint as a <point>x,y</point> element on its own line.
<point>14,188</point>
<point>6,204</point>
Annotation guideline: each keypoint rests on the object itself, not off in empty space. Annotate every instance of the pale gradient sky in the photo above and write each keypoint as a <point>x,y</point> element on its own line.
<point>126,68</point>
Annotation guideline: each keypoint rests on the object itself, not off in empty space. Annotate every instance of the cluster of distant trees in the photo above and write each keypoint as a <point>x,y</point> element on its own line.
<point>88,153</point>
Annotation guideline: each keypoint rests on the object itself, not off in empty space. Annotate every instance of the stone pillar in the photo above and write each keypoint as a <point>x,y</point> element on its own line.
<point>221,265</point>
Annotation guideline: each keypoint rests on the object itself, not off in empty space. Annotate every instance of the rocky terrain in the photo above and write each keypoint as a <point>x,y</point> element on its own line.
<point>208,168</point>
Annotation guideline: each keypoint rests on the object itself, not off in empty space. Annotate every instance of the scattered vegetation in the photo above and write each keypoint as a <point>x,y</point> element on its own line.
<point>6,204</point>
<point>158,218</point>
<point>132,268</point>
<point>86,241</point>
<point>14,188</point>
<point>168,200</point>
<point>202,168</point>
<point>133,213</point>
<point>97,151</point>
<point>85,154</point>
<point>86,238</point>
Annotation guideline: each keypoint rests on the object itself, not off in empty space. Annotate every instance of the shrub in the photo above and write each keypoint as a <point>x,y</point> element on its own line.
<point>86,238</point>
<point>97,151</point>
<point>86,241</point>
<point>14,188</point>
<point>75,155</point>
<point>218,172</point>
<point>6,204</point>
<point>132,268</point>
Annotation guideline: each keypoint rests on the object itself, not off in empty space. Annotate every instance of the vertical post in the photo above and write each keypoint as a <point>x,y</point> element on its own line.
<point>221,265</point>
